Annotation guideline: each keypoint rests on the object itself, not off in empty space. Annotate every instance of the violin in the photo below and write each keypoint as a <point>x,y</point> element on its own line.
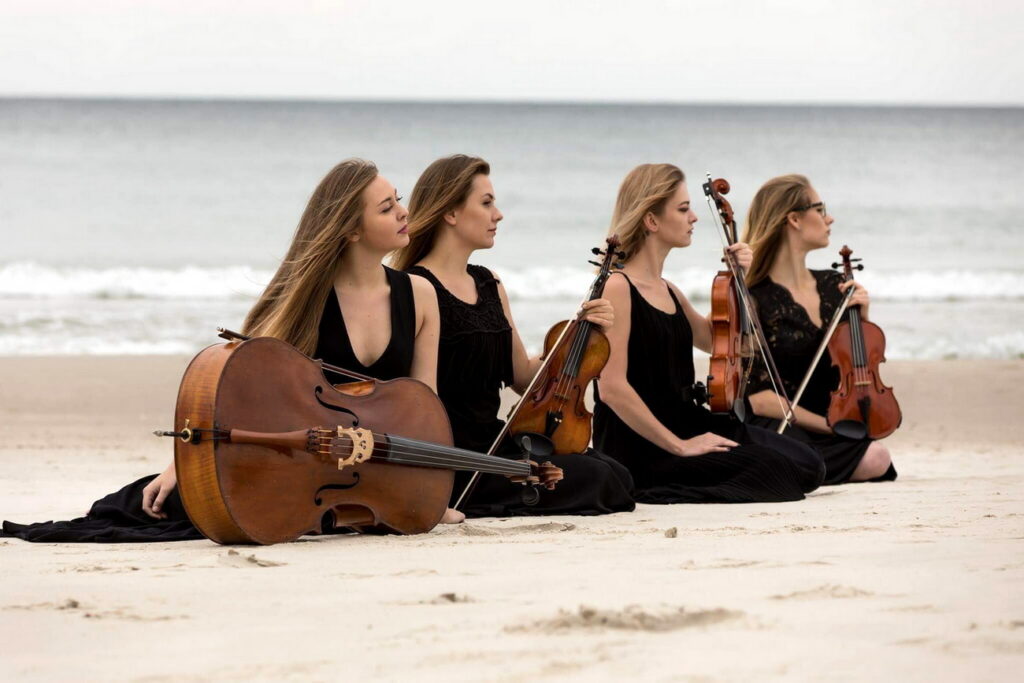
<point>551,417</point>
<point>735,327</point>
<point>575,352</point>
<point>861,405</point>
<point>267,447</point>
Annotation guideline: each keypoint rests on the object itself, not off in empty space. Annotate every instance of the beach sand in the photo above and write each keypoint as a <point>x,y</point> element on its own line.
<point>921,579</point>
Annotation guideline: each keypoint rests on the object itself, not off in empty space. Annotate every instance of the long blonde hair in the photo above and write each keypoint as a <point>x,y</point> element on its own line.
<point>646,189</point>
<point>291,306</point>
<point>442,187</point>
<point>767,218</point>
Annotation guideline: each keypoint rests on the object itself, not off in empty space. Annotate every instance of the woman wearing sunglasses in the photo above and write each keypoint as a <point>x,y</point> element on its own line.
<point>787,220</point>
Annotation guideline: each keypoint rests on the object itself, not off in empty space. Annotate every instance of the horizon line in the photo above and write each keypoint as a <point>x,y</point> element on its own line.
<point>253,99</point>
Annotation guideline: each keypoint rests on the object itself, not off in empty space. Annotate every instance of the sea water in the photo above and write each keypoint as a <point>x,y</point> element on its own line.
<point>132,226</point>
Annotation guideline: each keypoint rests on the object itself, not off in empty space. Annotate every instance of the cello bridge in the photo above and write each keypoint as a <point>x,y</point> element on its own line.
<point>361,441</point>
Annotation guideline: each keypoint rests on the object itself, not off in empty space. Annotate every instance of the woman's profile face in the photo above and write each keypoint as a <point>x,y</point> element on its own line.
<point>814,223</point>
<point>385,221</point>
<point>476,221</point>
<point>675,223</point>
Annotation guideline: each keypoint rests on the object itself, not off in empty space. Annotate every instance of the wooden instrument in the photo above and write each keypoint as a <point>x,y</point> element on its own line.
<point>861,406</point>
<point>736,332</point>
<point>575,352</point>
<point>267,448</point>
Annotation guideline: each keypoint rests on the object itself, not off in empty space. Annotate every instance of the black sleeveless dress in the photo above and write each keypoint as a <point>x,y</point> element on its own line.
<point>793,339</point>
<point>118,517</point>
<point>474,361</point>
<point>764,468</point>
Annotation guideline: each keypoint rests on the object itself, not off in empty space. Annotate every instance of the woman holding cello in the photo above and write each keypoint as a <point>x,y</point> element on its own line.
<point>786,221</point>
<point>331,299</point>
<point>452,214</point>
<point>647,416</point>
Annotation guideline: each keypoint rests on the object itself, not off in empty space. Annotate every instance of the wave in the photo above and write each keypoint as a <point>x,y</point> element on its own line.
<point>31,280</point>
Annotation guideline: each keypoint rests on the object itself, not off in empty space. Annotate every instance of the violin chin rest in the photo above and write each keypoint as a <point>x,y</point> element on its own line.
<point>534,445</point>
<point>851,429</point>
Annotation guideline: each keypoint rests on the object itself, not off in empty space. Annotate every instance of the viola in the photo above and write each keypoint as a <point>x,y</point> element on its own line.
<point>736,332</point>
<point>861,405</point>
<point>267,447</point>
<point>575,352</point>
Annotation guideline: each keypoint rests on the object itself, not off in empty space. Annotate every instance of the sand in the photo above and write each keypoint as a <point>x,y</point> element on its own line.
<point>920,579</point>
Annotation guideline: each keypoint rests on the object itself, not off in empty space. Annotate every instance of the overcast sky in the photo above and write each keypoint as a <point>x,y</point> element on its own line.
<point>856,51</point>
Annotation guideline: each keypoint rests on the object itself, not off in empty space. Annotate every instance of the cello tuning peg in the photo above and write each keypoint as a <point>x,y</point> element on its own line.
<point>859,266</point>
<point>836,265</point>
<point>595,263</point>
<point>596,251</point>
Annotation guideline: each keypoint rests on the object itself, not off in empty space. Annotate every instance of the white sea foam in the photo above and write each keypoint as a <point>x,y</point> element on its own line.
<point>30,280</point>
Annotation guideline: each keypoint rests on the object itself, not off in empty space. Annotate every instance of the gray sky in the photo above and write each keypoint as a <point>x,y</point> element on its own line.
<point>858,51</point>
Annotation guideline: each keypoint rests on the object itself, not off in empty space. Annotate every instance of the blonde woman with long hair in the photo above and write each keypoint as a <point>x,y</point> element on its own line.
<point>786,221</point>
<point>453,212</point>
<point>332,299</point>
<point>646,415</point>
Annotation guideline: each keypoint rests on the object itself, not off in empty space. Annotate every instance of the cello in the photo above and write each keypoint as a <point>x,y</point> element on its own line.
<point>266,447</point>
<point>550,416</point>
<point>735,327</point>
<point>861,405</point>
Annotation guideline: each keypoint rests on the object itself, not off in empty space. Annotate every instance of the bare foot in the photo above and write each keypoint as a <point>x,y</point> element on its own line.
<point>452,516</point>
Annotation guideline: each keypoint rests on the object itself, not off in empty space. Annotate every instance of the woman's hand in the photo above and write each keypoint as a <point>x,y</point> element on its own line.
<point>860,296</point>
<point>705,443</point>
<point>156,492</point>
<point>599,312</point>
<point>743,254</point>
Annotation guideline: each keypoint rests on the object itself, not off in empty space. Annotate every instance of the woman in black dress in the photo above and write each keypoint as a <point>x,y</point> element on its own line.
<point>331,298</point>
<point>452,213</point>
<point>646,416</point>
<point>787,219</point>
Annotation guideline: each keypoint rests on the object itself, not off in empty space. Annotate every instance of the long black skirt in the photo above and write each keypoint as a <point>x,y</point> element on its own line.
<point>840,454</point>
<point>594,484</point>
<point>115,518</point>
<point>765,468</point>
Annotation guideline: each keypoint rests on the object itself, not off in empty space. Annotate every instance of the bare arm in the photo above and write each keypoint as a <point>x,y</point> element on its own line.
<point>523,367</point>
<point>428,332</point>
<point>700,325</point>
<point>767,403</point>
<point>622,398</point>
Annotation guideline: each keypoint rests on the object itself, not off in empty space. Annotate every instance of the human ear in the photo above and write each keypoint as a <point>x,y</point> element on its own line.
<point>449,218</point>
<point>650,222</point>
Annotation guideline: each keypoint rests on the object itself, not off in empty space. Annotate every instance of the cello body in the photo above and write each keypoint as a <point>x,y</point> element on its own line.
<point>250,493</point>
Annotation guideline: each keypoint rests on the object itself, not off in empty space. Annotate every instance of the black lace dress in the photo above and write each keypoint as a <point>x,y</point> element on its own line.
<point>118,517</point>
<point>474,361</point>
<point>793,340</point>
<point>766,467</point>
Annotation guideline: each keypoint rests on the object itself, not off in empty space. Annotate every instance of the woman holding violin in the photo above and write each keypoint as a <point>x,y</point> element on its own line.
<point>786,221</point>
<point>331,299</point>
<point>452,214</point>
<point>647,415</point>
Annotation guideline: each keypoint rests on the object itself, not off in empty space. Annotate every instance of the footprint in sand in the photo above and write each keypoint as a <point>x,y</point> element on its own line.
<point>547,527</point>
<point>632,618</point>
<point>234,559</point>
<point>825,592</point>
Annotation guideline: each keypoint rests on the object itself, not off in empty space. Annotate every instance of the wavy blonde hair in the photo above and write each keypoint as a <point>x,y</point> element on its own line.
<point>291,306</point>
<point>443,187</point>
<point>646,189</point>
<point>767,217</point>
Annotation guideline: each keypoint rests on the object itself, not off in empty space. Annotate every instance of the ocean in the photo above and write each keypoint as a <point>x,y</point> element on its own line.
<point>139,226</point>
